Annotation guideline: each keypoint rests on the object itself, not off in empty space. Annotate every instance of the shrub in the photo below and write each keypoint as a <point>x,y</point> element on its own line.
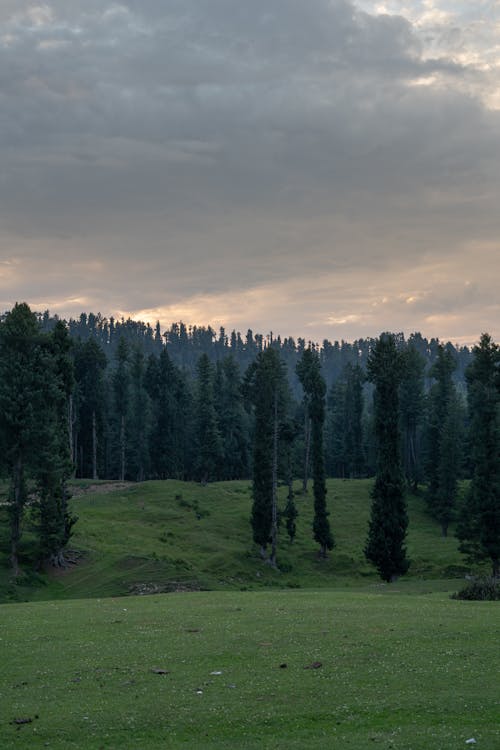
<point>480,589</point>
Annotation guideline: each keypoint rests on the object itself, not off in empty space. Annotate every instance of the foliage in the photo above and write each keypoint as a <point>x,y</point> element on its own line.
<point>388,522</point>
<point>479,527</point>
<point>480,589</point>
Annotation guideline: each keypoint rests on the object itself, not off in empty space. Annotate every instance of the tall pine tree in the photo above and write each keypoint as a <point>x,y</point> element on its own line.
<point>479,526</point>
<point>388,521</point>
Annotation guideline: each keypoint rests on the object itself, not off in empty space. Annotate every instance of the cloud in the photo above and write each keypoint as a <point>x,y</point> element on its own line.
<point>205,151</point>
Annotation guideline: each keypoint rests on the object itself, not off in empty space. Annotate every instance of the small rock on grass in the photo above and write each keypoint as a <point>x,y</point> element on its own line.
<point>156,670</point>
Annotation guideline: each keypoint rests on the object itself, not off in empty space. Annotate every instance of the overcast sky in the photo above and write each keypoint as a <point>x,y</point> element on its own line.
<point>322,168</point>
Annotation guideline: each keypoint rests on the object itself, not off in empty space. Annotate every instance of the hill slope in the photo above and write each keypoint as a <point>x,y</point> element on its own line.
<point>167,536</point>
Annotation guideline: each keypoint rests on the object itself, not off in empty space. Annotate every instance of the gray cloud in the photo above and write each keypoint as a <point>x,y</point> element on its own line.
<point>199,147</point>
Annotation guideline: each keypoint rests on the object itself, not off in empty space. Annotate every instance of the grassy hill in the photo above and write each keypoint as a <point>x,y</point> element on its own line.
<point>167,536</point>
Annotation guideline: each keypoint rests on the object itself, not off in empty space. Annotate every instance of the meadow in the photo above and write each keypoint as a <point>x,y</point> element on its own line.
<point>275,669</point>
<point>321,654</point>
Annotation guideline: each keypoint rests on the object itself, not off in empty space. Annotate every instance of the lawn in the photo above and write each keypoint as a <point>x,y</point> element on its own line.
<point>266,669</point>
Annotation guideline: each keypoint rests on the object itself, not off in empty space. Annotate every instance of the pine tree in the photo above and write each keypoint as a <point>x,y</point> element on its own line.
<point>412,406</point>
<point>267,389</point>
<point>443,441</point>
<point>479,526</point>
<point>54,461</point>
<point>388,521</point>
<point>232,420</point>
<point>139,417</point>
<point>209,450</point>
<point>25,409</point>
<point>309,372</point>
<point>90,364</point>
<point>167,390</point>
<point>121,393</point>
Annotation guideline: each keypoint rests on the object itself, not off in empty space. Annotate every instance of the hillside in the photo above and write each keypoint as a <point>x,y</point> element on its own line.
<point>168,536</point>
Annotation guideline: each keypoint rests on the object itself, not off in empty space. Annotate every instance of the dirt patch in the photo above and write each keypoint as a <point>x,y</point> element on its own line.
<point>103,488</point>
<point>145,589</point>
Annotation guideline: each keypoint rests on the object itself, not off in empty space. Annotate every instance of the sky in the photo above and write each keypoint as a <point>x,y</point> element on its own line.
<point>325,169</point>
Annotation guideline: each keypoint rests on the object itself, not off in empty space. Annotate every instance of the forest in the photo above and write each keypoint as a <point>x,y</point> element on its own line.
<point>104,399</point>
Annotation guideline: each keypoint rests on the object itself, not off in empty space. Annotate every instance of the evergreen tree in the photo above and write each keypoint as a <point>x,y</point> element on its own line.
<point>388,522</point>
<point>54,460</point>
<point>479,526</point>
<point>138,447</point>
<point>411,395</point>
<point>309,372</point>
<point>171,417</point>
<point>232,420</point>
<point>90,364</point>
<point>209,450</point>
<point>267,388</point>
<point>25,409</point>
<point>121,388</point>
<point>443,440</point>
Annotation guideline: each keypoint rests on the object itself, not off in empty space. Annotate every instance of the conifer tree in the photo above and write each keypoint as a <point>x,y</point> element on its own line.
<point>25,409</point>
<point>121,388</point>
<point>232,420</point>
<point>479,525</point>
<point>90,364</point>
<point>54,460</point>
<point>139,416</point>
<point>171,417</point>
<point>412,407</point>
<point>309,372</point>
<point>267,389</point>
<point>209,449</point>
<point>388,521</point>
<point>443,445</point>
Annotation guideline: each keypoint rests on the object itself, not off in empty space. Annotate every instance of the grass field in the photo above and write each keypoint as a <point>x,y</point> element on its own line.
<point>397,671</point>
<point>182,535</point>
<point>321,654</point>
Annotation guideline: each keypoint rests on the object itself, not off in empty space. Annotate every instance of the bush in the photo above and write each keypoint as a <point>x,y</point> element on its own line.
<point>480,589</point>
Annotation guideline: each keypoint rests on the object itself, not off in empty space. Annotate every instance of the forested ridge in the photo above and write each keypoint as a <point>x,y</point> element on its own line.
<point>99,398</point>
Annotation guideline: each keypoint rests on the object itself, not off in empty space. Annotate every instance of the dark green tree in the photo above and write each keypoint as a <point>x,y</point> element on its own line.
<point>479,525</point>
<point>232,420</point>
<point>20,393</point>
<point>54,460</point>
<point>388,521</point>
<point>309,373</point>
<point>267,389</point>
<point>121,400</point>
<point>90,364</point>
<point>209,450</point>
<point>171,411</point>
<point>443,440</point>
<point>411,396</point>
<point>138,445</point>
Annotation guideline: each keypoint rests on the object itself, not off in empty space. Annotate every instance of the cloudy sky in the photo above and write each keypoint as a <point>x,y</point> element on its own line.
<point>324,168</point>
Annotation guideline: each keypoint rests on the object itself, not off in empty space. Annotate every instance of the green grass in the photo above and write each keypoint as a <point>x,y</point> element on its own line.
<point>182,535</point>
<point>410,672</point>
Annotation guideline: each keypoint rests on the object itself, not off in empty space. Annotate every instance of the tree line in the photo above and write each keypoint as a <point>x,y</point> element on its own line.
<point>120,400</point>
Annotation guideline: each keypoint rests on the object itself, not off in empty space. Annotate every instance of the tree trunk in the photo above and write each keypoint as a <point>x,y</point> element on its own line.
<point>16,510</point>
<point>444,530</point>
<point>94,446</point>
<point>122,448</point>
<point>71,443</point>
<point>307,451</point>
